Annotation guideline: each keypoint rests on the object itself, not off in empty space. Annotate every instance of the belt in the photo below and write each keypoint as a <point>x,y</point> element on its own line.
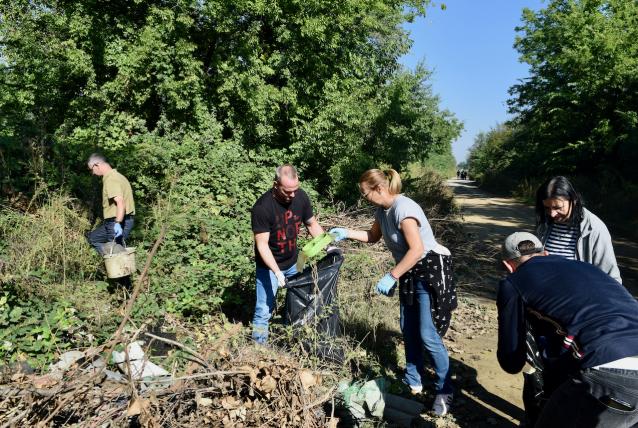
<point>126,216</point>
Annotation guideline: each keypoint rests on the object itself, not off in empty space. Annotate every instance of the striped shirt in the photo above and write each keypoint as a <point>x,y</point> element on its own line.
<point>562,240</point>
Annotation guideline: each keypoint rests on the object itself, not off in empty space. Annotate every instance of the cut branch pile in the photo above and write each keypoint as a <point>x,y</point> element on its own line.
<point>230,385</point>
<point>254,388</point>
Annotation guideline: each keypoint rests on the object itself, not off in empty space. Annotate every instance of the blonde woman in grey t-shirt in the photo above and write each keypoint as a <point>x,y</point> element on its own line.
<point>419,258</point>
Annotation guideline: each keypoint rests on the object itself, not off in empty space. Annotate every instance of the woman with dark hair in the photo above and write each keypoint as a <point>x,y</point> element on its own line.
<point>568,229</point>
<point>423,271</point>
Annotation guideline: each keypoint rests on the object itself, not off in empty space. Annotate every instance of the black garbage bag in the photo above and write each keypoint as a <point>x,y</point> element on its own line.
<point>311,301</point>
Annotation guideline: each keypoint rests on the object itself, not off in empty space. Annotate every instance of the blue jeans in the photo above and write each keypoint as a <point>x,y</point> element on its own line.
<point>594,398</point>
<point>104,232</point>
<point>419,333</point>
<point>266,289</point>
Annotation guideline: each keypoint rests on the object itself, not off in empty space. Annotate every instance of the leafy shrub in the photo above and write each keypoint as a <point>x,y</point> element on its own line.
<point>34,329</point>
<point>430,191</point>
<point>48,302</point>
<point>208,250</point>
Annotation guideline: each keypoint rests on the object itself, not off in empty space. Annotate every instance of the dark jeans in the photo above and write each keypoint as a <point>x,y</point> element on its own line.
<point>594,398</point>
<point>104,232</point>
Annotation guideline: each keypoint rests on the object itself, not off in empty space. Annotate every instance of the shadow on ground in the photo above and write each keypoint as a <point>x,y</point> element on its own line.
<point>474,406</point>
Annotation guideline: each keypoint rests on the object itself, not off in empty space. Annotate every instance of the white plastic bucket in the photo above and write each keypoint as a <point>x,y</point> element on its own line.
<point>120,264</point>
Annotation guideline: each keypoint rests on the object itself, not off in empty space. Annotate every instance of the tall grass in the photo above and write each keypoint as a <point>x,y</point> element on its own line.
<point>47,245</point>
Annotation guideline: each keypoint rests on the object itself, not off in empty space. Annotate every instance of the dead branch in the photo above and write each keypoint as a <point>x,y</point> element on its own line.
<point>199,358</point>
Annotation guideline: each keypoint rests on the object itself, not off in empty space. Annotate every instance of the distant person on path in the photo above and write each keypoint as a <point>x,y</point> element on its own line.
<point>276,219</point>
<point>424,272</point>
<point>590,353</point>
<point>458,173</point>
<point>118,205</point>
<point>568,229</point>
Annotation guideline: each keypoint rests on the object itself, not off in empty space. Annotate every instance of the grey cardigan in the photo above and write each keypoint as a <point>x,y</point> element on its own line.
<point>593,245</point>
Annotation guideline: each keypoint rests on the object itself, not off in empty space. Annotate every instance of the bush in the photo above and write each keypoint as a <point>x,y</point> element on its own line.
<point>207,255</point>
<point>48,301</point>
<point>430,191</point>
<point>33,329</point>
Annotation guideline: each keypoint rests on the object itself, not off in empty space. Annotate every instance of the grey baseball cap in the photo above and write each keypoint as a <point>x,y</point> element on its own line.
<point>512,251</point>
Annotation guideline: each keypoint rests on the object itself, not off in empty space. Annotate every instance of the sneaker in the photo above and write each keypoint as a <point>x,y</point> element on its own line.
<point>442,404</point>
<point>415,389</point>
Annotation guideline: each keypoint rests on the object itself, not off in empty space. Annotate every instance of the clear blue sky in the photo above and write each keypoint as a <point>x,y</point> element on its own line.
<point>469,48</point>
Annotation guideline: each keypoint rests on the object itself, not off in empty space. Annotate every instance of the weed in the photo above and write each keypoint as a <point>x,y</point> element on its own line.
<point>47,246</point>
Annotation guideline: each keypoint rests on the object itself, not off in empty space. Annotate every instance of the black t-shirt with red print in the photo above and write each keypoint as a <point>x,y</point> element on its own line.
<point>283,223</point>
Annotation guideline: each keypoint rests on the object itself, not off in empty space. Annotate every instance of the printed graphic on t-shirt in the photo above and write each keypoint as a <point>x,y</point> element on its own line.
<point>282,223</point>
<point>286,231</point>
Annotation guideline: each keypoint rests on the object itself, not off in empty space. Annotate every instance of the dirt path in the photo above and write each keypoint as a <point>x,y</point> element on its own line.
<point>488,396</point>
<point>491,397</point>
<point>491,218</point>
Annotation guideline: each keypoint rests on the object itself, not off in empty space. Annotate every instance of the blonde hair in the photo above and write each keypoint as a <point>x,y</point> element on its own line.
<point>388,178</point>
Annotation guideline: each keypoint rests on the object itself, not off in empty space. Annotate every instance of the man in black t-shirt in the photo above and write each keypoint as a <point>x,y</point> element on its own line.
<point>276,219</point>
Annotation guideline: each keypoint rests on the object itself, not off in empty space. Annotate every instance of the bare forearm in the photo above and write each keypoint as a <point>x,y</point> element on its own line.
<point>267,256</point>
<point>120,212</point>
<point>407,262</point>
<point>315,229</point>
<point>362,236</point>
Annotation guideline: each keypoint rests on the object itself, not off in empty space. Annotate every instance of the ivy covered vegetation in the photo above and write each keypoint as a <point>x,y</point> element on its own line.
<point>195,102</point>
<point>577,113</point>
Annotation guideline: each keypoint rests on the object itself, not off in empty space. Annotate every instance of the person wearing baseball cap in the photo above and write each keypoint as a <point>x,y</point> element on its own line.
<point>588,324</point>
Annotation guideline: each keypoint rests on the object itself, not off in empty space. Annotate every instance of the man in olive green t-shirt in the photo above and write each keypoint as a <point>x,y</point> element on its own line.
<point>118,206</point>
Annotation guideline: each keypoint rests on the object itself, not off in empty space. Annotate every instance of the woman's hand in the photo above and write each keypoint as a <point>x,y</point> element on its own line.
<point>386,284</point>
<point>339,233</point>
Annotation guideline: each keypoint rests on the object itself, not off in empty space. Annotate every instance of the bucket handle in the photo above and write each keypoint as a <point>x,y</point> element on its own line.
<point>123,242</point>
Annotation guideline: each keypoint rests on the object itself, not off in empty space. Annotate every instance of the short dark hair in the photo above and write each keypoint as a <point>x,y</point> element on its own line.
<point>558,187</point>
<point>528,247</point>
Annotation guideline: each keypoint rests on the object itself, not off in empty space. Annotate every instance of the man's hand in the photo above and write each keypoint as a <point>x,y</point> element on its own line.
<point>386,284</point>
<point>281,279</point>
<point>117,228</point>
<point>339,233</point>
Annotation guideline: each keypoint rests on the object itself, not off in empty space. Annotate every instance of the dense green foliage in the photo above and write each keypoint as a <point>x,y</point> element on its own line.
<point>490,155</point>
<point>195,102</point>
<point>443,164</point>
<point>578,111</point>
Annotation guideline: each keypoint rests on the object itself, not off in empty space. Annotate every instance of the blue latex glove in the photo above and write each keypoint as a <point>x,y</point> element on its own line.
<point>339,233</point>
<point>117,228</point>
<point>386,284</point>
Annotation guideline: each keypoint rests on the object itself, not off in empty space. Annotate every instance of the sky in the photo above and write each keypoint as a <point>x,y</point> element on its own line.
<point>469,48</point>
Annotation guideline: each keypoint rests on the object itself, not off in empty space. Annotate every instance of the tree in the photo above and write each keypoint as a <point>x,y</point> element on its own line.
<point>579,107</point>
<point>196,101</point>
<point>491,154</point>
<point>410,124</point>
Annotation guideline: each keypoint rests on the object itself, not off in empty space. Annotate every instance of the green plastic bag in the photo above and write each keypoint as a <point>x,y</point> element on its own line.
<point>312,248</point>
